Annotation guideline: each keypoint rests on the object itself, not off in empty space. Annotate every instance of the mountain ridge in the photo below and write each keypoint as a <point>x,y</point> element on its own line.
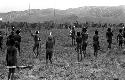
<point>71,14</point>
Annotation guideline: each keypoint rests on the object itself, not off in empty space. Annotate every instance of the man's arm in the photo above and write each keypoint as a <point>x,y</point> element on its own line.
<point>46,45</point>
<point>2,39</point>
<point>117,37</point>
<point>112,33</point>
<point>7,55</point>
<point>106,35</point>
<point>54,40</point>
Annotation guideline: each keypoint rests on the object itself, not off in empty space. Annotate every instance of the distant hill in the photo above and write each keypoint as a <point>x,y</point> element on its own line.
<point>89,13</point>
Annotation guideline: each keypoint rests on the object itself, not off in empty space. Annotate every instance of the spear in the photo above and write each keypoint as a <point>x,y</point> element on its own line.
<point>20,67</point>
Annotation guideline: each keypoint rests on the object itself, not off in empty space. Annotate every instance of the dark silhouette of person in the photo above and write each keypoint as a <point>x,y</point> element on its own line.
<point>73,35</point>
<point>109,35</point>
<point>120,38</point>
<point>1,40</point>
<point>124,34</point>
<point>11,58</point>
<point>49,48</point>
<point>96,43</point>
<point>79,45</point>
<point>36,42</point>
<point>84,40</point>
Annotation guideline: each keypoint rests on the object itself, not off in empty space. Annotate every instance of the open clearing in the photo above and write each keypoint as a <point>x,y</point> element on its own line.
<point>108,65</point>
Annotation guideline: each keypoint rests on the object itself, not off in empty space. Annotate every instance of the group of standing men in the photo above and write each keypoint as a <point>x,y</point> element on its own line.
<point>14,40</point>
<point>13,46</point>
<point>12,43</point>
<point>82,37</point>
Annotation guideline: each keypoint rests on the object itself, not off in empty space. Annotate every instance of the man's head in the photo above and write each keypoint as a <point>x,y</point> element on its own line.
<point>12,28</point>
<point>120,30</point>
<point>37,32</point>
<point>73,27</point>
<point>96,32</point>
<point>50,36</point>
<point>109,29</point>
<point>84,29</point>
<point>78,33</point>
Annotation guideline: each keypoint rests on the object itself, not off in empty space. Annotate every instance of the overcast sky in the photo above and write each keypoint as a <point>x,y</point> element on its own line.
<point>20,5</point>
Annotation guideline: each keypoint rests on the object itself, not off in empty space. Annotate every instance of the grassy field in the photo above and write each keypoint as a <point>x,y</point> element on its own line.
<point>109,64</point>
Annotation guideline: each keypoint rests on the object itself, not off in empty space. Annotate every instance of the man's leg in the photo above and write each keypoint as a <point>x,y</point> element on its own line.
<point>84,54</point>
<point>12,77</point>
<point>95,50</point>
<point>46,57</point>
<point>124,41</point>
<point>19,49</point>
<point>1,46</point>
<point>74,41</point>
<point>84,51</point>
<point>34,47</point>
<point>37,51</point>
<point>95,53</point>
<point>77,48</point>
<point>12,72</point>
<point>80,51</point>
<point>78,56</point>
<point>109,46</point>
<point>110,43</point>
<point>121,44</point>
<point>50,57</point>
<point>9,74</point>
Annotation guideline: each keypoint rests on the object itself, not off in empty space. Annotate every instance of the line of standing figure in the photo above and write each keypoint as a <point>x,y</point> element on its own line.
<point>13,47</point>
<point>81,39</point>
<point>14,41</point>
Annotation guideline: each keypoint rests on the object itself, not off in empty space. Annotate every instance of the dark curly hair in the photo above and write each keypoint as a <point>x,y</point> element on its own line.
<point>96,32</point>
<point>109,29</point>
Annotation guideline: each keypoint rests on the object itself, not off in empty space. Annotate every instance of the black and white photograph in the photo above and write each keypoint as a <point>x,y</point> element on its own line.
<point>62,39</point>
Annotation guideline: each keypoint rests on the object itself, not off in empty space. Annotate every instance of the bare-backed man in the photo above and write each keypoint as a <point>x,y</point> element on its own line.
<point>36,42</point>
<point>109,36</point>
<point>11,58</point>
<point>50,47</point>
